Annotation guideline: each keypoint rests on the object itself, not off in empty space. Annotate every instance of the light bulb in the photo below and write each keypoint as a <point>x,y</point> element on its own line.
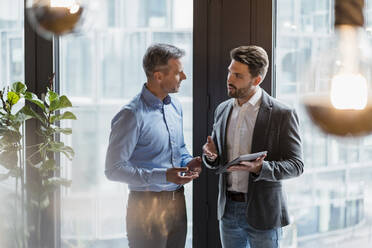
<point>347,96</point>
<point>55,17</point>
<point>337,90</point>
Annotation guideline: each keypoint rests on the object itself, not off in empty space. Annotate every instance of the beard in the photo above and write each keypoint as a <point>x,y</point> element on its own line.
<point>238,93</point>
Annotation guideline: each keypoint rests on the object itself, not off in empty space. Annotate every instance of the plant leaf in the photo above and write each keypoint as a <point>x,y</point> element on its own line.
<point>19,87</point>
<point>51,96</point>
<point>27,110</point>
<point>60,147</point>
<point>66,131</point>
<point>63,102</point>
<point>49,165</point>
<point>20,116</point>
<point>13,97</point>
<point>34,99</point>
<point>65,116</point>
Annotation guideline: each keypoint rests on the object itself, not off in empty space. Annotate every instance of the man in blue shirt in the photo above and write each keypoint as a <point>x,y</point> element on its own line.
<point>147,151</point>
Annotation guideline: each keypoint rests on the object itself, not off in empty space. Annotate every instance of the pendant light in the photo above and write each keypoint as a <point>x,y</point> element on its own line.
<point>337,92</point>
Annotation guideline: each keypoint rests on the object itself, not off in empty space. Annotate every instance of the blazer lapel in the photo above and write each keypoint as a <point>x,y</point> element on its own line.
<point>223,130</point>
<point>262,125</point>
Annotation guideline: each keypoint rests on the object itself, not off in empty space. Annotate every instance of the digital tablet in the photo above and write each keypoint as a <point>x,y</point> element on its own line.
<point>245,157</point>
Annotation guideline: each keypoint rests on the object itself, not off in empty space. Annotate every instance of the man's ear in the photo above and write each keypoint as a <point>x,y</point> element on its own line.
<point>158,76</point>
<point>257,80</point>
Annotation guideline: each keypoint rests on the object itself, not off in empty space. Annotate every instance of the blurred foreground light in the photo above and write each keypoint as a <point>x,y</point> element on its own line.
<point>56,17</point>
<point>337,91</point>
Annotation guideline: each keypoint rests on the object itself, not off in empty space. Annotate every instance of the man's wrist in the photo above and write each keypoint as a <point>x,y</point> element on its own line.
<point>210,159</point>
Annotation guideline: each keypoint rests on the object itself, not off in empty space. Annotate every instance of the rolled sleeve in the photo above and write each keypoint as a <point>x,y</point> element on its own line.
<point>158,176</point>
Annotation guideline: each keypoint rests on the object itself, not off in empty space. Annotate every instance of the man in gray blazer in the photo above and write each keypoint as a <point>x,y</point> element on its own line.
<point>251,204</point>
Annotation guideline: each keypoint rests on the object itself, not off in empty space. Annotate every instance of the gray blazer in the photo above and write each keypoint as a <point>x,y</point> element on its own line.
<point>276,131</point>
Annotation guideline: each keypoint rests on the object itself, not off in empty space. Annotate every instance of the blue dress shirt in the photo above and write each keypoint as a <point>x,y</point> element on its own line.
<point>146,139</point>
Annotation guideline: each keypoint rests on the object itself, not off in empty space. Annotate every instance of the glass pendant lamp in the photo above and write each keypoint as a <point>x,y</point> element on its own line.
<point>337,92</point>
<point>55,17</point>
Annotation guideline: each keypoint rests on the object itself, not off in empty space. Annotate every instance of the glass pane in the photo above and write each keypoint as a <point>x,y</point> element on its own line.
<point>11,70</point>
<point>330,204</point>
<point>101,71</point>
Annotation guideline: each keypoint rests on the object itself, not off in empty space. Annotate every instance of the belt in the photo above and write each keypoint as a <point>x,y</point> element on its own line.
<point>160,194</point>
<point>236,196</point>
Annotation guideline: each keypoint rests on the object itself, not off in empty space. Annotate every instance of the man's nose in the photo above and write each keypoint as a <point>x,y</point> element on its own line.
<point>229,78</point>
<point>183,76</point>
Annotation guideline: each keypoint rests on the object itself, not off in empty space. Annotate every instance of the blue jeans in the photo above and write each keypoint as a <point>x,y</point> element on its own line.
<point>236,233</point>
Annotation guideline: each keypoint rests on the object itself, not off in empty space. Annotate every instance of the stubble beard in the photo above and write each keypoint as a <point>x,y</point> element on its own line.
<point>238,93</point>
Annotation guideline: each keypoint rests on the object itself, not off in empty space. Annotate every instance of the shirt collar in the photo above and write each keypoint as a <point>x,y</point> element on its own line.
<point>152,100</point>
<point>253,101</point>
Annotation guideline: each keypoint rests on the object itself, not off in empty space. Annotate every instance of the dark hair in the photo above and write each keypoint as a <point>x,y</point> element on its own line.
<point>254,57</point>
<point>157,55</point>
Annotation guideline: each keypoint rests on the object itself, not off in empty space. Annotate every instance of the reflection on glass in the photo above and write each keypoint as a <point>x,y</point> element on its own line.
<point>102,71</point>
<point>330,205</point>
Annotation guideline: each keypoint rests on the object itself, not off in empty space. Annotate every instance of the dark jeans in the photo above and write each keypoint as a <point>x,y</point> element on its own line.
<point>235,232</point>
<point>156,219</point>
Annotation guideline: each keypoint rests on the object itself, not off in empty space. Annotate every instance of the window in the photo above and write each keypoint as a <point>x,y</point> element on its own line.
<point>330,204</point>
<point>100,72</point>
<point>11,42</point>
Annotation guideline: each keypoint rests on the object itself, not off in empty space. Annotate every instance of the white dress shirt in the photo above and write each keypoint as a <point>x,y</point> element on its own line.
<point>239,138</point>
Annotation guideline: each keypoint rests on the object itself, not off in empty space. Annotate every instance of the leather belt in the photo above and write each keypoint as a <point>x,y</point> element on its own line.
<point>161,194</point>
<point>236,196</point>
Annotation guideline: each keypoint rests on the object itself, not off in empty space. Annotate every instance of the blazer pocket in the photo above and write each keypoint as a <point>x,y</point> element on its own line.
<point>271,185</point>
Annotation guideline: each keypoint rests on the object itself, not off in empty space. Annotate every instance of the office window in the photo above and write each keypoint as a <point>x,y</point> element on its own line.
<point>101,71</point>
<point>11,42</point>
<point>11,70</point>
<point>330,205</point>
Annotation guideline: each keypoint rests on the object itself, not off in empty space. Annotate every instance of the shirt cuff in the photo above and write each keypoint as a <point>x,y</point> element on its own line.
<point>159,176</point>
<point>186,161</point>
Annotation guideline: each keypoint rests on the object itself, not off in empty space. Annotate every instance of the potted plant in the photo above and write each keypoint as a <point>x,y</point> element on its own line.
<point>11,160</point>
<point>48,112</point>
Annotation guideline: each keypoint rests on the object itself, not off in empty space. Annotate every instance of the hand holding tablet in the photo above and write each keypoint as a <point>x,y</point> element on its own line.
<point>241,158</point>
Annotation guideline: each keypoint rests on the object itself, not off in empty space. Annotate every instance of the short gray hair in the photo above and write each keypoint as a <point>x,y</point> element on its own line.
<point>158,55</point>
<point>254,56</point>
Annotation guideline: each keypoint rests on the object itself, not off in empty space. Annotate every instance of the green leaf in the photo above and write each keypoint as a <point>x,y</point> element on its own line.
<point>49,165</point>
<point>13,98</point>
<point>62,102</point>
<point>34,99</point>
<point>65,116</point>
<point>27,110</point>
<point>20,116</point>
<point>60,147</point>
<point>19,87</point>
<point>66,131</point>
<point>51,97</point>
